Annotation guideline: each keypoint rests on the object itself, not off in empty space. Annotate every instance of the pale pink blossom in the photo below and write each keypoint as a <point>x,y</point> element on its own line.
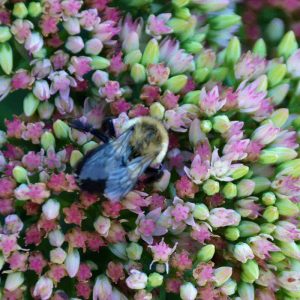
<point>156,25</point>
<point>261,246</point>
<point>199,171</point>
<point>222,217</point>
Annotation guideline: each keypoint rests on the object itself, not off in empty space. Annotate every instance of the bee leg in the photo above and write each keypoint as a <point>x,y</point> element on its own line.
<point>77,124</point>
<point>108,127</point>
<point>153,174</point>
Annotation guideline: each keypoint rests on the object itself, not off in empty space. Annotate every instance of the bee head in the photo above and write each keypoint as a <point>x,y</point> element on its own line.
<point>149,138</point>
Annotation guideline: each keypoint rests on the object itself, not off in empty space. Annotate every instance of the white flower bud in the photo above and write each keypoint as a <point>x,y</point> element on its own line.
<point>56,238</point>
<point>72,263</point>
<point>137,280</point>
<point>51,209</point>
<point>188,291</point>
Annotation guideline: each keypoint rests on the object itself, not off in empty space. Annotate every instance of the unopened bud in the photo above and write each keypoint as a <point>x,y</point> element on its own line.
<point>233,51</point>
<point>72,263</point>
<point>248,228</point>
<point>76,156</point>
<point>267,228</point>
<point>13,281</point>
<point>242,252</point>
<point>278,93</point>
<point>138,73</point>
<point>211,187</point>
<point>157,110</point>
<point>288,45</point>
<point>151,53</point>
<point>290,249</point>
<point>61,129</point>
<point>246,291</point>
<point>260,48</point>
<point>176,83</point>
<point>224,21</point>
<point>99,63</point>
<point>45,110</point>
<point>6,58</point>
<point>155,280</point>
<point>20,10</point>
<point>188,291</point>
<point>206,253</point>
<point>133,57</point>
<point>201,212</point>
<point>261,184</point>
<point>119,250</point>
<point>30,105</point>
<point>279,117</point>
<point>232,233</point>
<point>212,5</point>
<point>221,275</point>
<point>268,198</point>
<point>20,174</point>
<point>47,140</point>
<point>229,287</point>
<point>240,172</point>
<point>51,209</point>
<point>134,251</point>
<point>276,74</point>
<point>200,75</point>
<point>192,97</point>
<point>230,190</point>
<point>34,9</point>
<point>271,214</point>
<point>245,187</point>
<point>250,271</point>
<point>5,34</point>
<point>286,207</point>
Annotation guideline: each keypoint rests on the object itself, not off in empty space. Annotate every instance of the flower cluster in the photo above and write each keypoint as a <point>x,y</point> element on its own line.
<point>223,220</point>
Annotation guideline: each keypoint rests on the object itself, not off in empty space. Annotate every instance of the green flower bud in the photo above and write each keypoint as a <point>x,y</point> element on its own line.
<point>267,228</point>
<point>268,198</point>
<point>76,156</point>
<point>139,3</point>
<point>182,13</point>
<point>134,251</point>
<point>275,30</point>
<point>268,157</point>
<point>180,3</point>
<point>138,73</point>
<point>119,250</point>
<point>99,63</point>
<point>240,172</point>
<point>290,168</point>
<point>219,74</point>
<point>230,190</point>
<point>286,207</point>
<point>206,126</point>
<point>20,174</point>
<point>248,228</point>
<point>176,83</point>
<point>6,58</point>
<point>288,45</point>
<point>280,116</point>
<point>290,249</point>
<point>211,187</point>
<point>246,291</point>
<point>45,110</point>
<point>89,146</point>
<point>155,280</point>
<point>192,47</point>
<point>35,9</point>
<point>206,253</point>
<point>284,154</point>
<point>157,110</point>
<point>276,257</point>
<point>232,233</point>
<point>178,25</point>
<point>221,275</point>
<point>200,75</point>
<point>192,97</point>
<point>278,93</point>
<point>151,53</point>
<point>5,34</point>
<point>61,129</point>
<point>233,51</point>
<point>260,48</point>
<point>224,21</point>
<point>20,10</point>
<point>261,184</point>
<point>201,212</point>
<point>271,214</point>
<point>245,187</point>
<point>229,287</point>
<point>250,271</point>
<point>221,123</point>
<point>212,5</point>
<point>263,83</point>
<point>42,53</point>
<point>133,57</point>
<point>47,140</point>
<point>296,123</point>
<point>276,74</point>
<point>30,104</point>
<point>2,262</point>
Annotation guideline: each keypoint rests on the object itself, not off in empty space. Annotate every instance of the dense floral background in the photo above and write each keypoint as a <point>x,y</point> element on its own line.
<point>223,78</point>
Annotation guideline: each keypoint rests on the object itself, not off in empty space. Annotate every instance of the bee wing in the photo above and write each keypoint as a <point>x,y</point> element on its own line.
<point>121,181</point>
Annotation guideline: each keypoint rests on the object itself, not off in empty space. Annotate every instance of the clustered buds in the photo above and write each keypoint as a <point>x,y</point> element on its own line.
<point>222,220</point>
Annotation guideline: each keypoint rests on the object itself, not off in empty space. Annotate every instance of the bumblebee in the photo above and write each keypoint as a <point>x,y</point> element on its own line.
<point>114,167</point>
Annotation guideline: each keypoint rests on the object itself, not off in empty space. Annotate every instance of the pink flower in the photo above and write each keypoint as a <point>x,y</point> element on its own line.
<point>236,149</point>
<point>210,102</point>
<point>36,192</point>
<point>156,25</point>
<point>249,98</point>
<point>13,224</point>
<point>34,43</point>
<point>80,65</point>
<point>254,148</point>
<point>161,253</point>
<point>120,106</point>
<point>250,66</point>
<point>36,262</point>
<point>199,170</point>
<point>21,29</point>
<point>33,236</point>
<point>21,80</point>
<point>116,233</point>
<point>83,289</point>
<point>178,215</point>
<point>84,273</point>
<point>261,246</point>
<point>235,131</point>
<point>181,261</point>
<point>87,199</point>
<point>116,64</point>
<point>73,214</point>
<point>138,110</point>
<point>105,31</point>
<point>115,271</point>
<point>14,128</point>
<point>64,105</point>
<point>158,74</point>
<point>201,233</point>
<point>135,201</point>
<point>176,59</point>
<point>287,186</point>
<point>8,243</point>
<point>111,91</point>
<point>286,232</point>
<point>249,207</point>
<point>57,272</point>
<point>41,90</point>
<point>222,217</point>
<point>169,100</point>
<point>48,25</point>
<point>203,273</point>
<point>71,7</point>
<point>150,94</point>
<point>111,209</point>
<point>286,139</point>
<point>266,133</point>
<point>17,261</point>
<point>33,132</point>
<point>59,59</point>
<point>77,238</point>
<point>186,188</point>
<point>89,19</point>
<point>176,120</point>
<point>61,82</point>
<point>148,226</point>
